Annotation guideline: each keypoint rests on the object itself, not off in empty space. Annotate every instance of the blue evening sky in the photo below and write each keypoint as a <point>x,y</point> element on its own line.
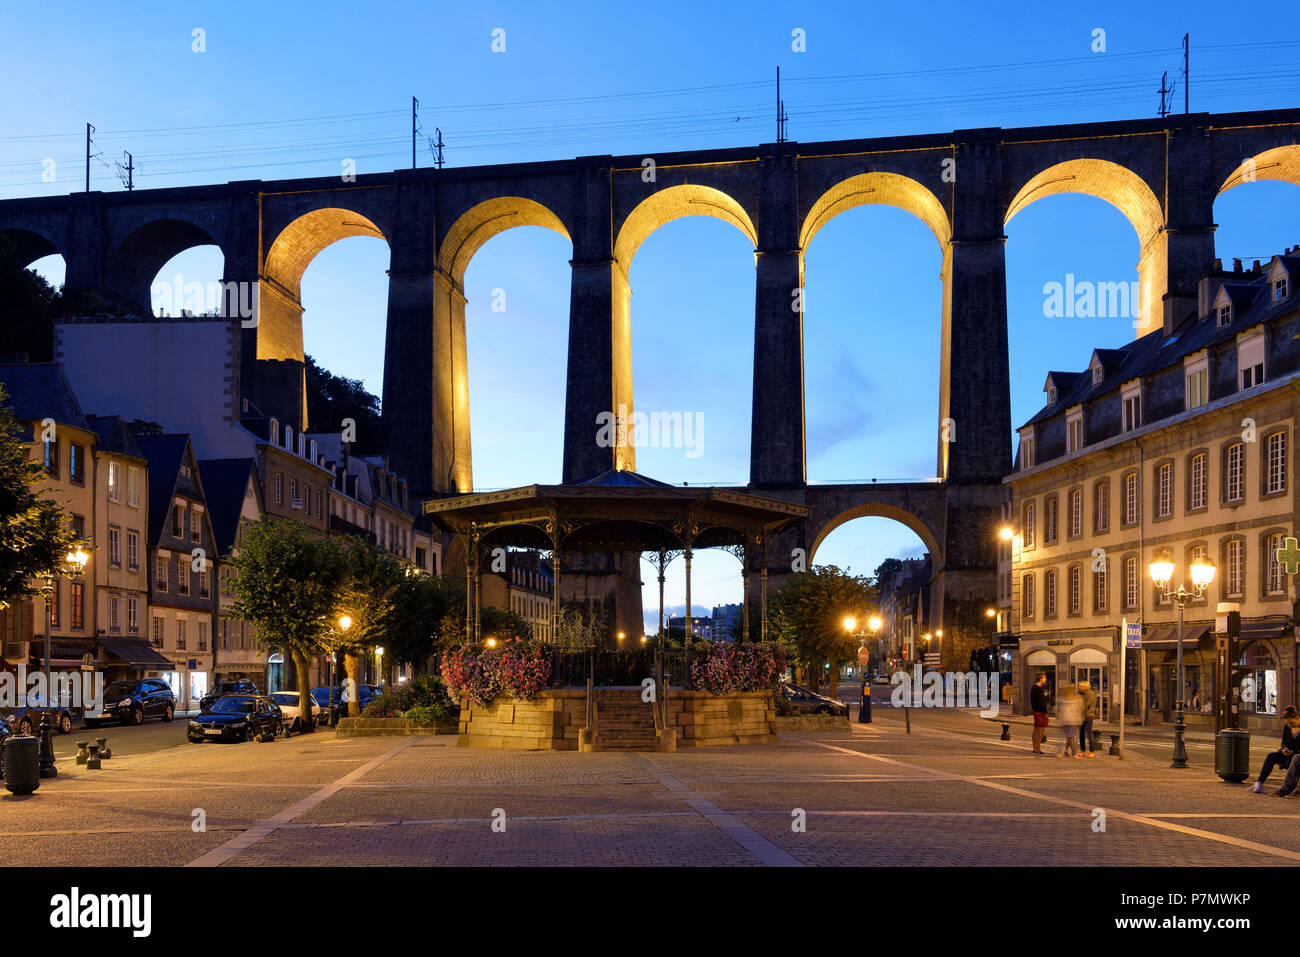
<point>294,89</point>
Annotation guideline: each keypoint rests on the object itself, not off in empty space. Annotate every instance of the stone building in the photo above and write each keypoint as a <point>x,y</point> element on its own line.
<point>234,498</point>
<point>904,605</point>
<point>1182,442</point>
<point>527,587</point>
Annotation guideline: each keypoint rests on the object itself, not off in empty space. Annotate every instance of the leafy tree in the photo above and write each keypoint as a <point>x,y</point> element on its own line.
<point>331,399</point>
<point>807,617</point>
<point>286,583</point>
<point>368,595</point>
<point>35,533</point>
<point>493,622</point>
<point>890,566</point>
<point>418,610</point>
<point>32,305</point>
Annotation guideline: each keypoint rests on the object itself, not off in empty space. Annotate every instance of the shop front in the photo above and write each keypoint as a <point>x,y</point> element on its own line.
<point>1068,659</point>
<point>189,680</point>
<point>125,658</point>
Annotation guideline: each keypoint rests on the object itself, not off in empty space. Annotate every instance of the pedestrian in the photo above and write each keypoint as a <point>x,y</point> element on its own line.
<point>1090,702</point>
<point>1069,711</point>
<point>1038,705</point>
<point>1284,755</point>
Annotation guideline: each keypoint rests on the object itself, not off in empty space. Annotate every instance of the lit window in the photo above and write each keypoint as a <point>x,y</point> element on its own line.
<point>1076,589</point>
<point>1049,593</point>
<point>1276,453</point>
<point>1028,525</point>
<point>1027,594</point>
<point>1276,574</point>
<point>1234,560</point>
<point>1130,583</point>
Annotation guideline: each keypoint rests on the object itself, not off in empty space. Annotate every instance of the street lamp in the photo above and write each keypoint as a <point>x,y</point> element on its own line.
<point>73,564</point>
<point>379,662</point>
<point>1006,533</point>
<point>1161,569</point>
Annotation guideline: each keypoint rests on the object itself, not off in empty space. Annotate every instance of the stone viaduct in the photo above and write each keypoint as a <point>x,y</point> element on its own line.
<point>1163,175</point>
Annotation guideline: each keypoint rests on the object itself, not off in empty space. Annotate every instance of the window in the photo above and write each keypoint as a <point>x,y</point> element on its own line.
<point>1225,315</point>
<point>205,588</point>
<point>158,633</point>
<point>1076,512</point>
<point>133,615</point>
<point>293,493</point>
<point>1130,583</point>
<point>1051,395</point>
<point>1164,490</point>
<point>114,482</point>
<point>56,602</point>
<point>1131,503</point>
<point>132,550</point>
<point>1076,589</point>
<point>133,486</point>
<point>1275,463</point>
<point>203,635</point>
<point>1276,582</point>
<point>160,572</point>
<point>1027,453</point>
<point>1196,390</point>
<point>1196,481</point>
<point>279,489</point>
<point>224,631</point>
<point>114,614</point>
<point>1100,594</point>
<point>1097,373</point>
<point>1250,361</point>
<point>1234,567</point>
<point>1028,525</point>
<point>182,575</point>
<point>196,525</point>
<point>79,526</point>
<point>76,605</point>
<point>1132,396</point>
<point>114,546</point>
<point>1101,507</point>
<point>1027,595</point>
<point>52,458</point>
<point>1074,431</point>
<point>1280,289</point>
<point>1234,461</point>
<point>76,464</point>
<point>180,634</point>
<point>1049,594</point>
<point>1049,532</point>
<point>178,521</point>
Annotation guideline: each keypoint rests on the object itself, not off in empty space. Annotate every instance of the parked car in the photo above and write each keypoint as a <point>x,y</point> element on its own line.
<point>221,688</point>
<point>365,694</point>
<point>131,700</point>
<point>880,679</point>
<point>26,719</point>
<point>288,702</point>
<point>237,718</point>
<point>803,701</point>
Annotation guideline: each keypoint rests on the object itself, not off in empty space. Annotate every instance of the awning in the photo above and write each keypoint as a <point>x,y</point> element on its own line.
<point>1265,629</point>
<point>1165,637</point>
<point>134,651</point>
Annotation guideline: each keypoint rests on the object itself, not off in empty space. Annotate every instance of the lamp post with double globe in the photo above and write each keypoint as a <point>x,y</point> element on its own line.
<point>1161,569</point>
<point>73,564</point>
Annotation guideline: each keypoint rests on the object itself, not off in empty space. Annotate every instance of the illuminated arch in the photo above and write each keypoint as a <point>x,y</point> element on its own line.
<point>479,224</point>
<point>880,510</point>
<point>888,189</point>
<point>1129,193</point>
<point>303,240</point>
<point>673,203</point>
<point>1281,163</point>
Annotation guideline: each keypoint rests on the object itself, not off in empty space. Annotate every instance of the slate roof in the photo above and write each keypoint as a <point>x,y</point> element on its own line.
<point>164,453</point>
<point>115,435</point>
<point>39,390</point>
<point>615,478</point>
<point>225,483</point>
<point>1154,351</point>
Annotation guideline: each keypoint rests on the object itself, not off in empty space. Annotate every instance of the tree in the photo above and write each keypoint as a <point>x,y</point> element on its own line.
<point>35,533</point>
<point>807,616</point>
<point>493,622</point>
<point>367,594</point>
<point>286,583</point>
<point>888,568</point>
<point>331,399</point>
<point>418,610</point>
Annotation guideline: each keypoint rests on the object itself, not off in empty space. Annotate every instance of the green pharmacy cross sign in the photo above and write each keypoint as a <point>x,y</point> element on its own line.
<point>1288,556</point>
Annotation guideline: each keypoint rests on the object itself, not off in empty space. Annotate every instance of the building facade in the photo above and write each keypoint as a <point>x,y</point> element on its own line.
<point>1178,444</point>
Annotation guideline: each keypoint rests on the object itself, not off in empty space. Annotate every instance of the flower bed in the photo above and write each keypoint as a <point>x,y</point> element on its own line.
<point>727,667</point>
<point>516,668</point>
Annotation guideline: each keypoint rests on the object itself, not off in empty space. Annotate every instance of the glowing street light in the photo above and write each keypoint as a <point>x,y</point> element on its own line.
<point>1201,570</point>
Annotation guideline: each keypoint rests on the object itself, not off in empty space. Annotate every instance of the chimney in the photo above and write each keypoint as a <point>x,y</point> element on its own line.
<point>1255,268</point>
<point>1236,265</point>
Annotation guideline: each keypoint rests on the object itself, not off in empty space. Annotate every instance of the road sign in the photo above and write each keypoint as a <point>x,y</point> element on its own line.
<point>1133,634</point>
<point>864,656</point>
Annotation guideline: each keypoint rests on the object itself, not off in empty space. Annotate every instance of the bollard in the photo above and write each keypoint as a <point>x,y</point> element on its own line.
<point>864,710</point>
<point>1006,733</point>
<point>266,737</point>
<point>1114,744</point>
<point>48,768</point>
<point>92,762</point>
<point>82,751</point>
<point>22,764</point>
<point>104,752</point>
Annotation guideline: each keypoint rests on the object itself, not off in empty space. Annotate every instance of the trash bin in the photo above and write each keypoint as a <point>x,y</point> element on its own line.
<point>22,763</point>
<point>1232,755</point>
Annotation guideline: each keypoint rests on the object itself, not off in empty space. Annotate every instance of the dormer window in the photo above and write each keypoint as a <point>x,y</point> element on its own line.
<point>273,432</point>
<point>1225,315</point>
<point>1027,449</point>
<point>1280,289</point>
<point>1097,374</point>
<point>1051,395</point>
<point>1074,429</point>
<point>1250,361</point>
<point>288,437</point>
<point>1196,378</point>
<point>1132,406</point>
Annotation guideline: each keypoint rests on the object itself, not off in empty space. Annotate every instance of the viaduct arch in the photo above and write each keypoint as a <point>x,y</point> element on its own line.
<point>1162,174</point>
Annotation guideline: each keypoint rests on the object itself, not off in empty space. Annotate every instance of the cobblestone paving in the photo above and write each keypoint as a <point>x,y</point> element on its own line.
<point>950,793</point>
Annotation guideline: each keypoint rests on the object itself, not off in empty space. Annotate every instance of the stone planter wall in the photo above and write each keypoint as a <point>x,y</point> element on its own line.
<point>552,720</point>
<point>368,727</point>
